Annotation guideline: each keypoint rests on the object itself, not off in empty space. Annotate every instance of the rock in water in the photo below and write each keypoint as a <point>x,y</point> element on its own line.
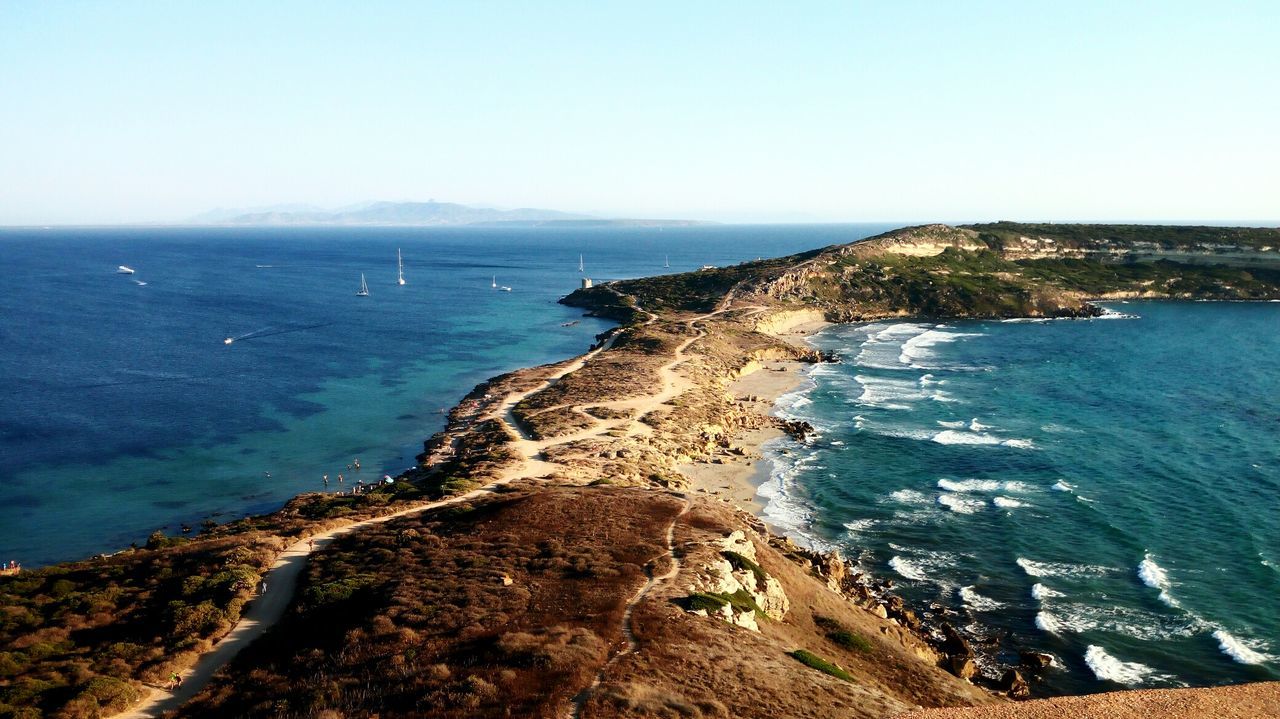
<point>963,667</point>
<point>1014,685</point>
<point>1035,661</point>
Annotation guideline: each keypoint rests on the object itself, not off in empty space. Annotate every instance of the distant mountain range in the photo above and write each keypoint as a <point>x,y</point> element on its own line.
<point>411,214</point>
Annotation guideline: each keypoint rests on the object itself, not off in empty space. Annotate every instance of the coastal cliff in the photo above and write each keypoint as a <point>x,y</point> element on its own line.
<point>552,554</point>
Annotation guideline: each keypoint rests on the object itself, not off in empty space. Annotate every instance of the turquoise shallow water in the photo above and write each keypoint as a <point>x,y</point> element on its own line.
<point>1107,490</point>
<point>121,410</point>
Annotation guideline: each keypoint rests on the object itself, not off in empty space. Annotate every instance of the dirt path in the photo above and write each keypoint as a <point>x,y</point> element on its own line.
<point>282,578</point>
<point>267,609</point>
<point>628,632</point>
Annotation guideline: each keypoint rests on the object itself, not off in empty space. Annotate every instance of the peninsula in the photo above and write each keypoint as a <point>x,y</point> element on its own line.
<point>581,540</point>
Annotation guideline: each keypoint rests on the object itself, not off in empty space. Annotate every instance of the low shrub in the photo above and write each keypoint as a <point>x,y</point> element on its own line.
<point>741,562</point>
<point>814,661</point>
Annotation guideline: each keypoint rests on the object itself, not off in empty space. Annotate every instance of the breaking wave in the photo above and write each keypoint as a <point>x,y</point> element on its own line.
<point>907,569</point>
<point>1108,668</point>
<point>1062,569</point>
<point>951,436</point>
<point>976,601</point>
<point>961,505</point>
<point>1239,650</point>
<point>1154,576</point>
<point>1040,592</point>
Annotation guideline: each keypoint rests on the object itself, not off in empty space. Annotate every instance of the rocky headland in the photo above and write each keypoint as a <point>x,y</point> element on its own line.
<point>579,541</point>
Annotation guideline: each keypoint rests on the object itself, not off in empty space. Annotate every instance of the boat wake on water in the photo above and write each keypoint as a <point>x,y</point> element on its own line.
<point>273,331</point>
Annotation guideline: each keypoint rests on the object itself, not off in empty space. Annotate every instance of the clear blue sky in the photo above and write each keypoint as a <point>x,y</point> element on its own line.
<point>733,111</point>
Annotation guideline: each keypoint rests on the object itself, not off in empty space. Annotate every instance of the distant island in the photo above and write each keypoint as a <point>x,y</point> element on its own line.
<point>419,214</point>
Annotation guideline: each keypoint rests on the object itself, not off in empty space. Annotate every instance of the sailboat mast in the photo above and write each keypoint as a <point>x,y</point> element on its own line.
<point>399,267</point>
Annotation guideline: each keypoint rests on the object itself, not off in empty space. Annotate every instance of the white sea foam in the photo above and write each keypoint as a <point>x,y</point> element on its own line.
<point>907,569</point>
<point>929,379</point>
<point>1007,503</point>
<point>961,505</point>
<point>951,436</point>
<point>959,424</point>
<point>860,525</point>
<point>1062,486</point>
<point>1040,592</point>
<point>976,601</point>
<point>903,432</point>
<point>1239,650</point>
<point>909,496</point>
<point>1109,668</point>
<point>970,485</point>
<point>1136,623</point>
<point>983,485</point>
<point>1062,569</point>
<point>917,351</point>
<point>889,392</point>
<point>883,347</point>
<point>1113,315</point>
<point>1154,576</point>
<point>1046,622</point>
<point>976,426</point>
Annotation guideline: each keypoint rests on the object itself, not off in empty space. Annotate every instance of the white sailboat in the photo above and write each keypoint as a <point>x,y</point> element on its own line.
<point>580,266</point>
<point>495,282</point>
<point>399,267</point>
<point>666,261</point>
<point>364,288</point>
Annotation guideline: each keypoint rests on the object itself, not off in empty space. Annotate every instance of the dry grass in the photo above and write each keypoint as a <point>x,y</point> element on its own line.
<point>80,638</point>
<point>417,616</point>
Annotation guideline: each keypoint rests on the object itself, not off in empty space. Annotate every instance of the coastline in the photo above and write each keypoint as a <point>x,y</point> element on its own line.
<point>672,408</point>
<point>736,476</point>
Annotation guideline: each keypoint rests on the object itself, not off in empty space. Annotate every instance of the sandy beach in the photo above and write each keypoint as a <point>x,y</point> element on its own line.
<point>737,477</point>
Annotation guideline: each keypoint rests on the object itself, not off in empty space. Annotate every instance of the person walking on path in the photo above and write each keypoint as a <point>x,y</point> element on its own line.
<point>262,588</point>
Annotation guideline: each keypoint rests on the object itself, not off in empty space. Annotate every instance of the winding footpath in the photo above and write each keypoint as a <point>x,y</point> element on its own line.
<point>281,580</point>
<point>628,629</point>
<point>267,609</point>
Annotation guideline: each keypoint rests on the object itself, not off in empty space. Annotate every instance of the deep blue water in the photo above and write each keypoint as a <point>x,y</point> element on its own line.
<point>1106,490</point>
<point>122,411</point>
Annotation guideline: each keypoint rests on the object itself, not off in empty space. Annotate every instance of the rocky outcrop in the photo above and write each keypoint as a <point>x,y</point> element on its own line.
<point>745,588</point>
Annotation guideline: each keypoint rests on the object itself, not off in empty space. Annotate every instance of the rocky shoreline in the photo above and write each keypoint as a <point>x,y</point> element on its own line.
<point>592,458</point>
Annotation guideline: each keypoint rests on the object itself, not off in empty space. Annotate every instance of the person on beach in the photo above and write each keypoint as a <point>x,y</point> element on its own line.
<point>326,479</point>
<point>357,464</point>
<point>175,681</point>
<point>311,545</point>
<point>262,589</point>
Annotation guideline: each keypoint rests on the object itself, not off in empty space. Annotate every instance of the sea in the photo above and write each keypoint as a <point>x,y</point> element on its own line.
<point>122,410</point>
<point>1106,491</point>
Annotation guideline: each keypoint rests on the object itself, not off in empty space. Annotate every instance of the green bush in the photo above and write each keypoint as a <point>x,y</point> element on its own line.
<point>849,640</point>
<point>841,635</point>
<point>701,600</point>
<point>810,659</point>
<point>740,562</point>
